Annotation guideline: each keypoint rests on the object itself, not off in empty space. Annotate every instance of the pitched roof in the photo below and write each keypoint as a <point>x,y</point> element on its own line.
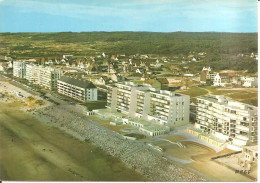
<point>163,80</point>
<point>77,82</point>
<point>105,78</point>
<point>203,75</point>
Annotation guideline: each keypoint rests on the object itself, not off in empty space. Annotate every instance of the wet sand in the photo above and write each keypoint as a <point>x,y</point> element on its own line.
<point>30,150</point>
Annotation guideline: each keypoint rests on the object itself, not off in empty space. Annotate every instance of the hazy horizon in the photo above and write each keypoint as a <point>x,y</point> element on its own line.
<point>234,16</point>
<point>135,32</point>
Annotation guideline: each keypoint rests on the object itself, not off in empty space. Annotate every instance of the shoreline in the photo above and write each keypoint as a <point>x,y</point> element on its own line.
<point>131,153</point>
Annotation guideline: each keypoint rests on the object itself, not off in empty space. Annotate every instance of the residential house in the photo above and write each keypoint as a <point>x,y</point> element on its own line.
<point>206,76</point>
<point>117,77</point>
<point>225,79</point>
<point>103,80</point>
<point>164,83</point>
<point>249,81</point>
<point>146,77</point>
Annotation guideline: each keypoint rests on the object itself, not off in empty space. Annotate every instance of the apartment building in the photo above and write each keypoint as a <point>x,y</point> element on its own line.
<point>30,72</point>
<point>164,107</point>
<point>81,90</point>
<point>48,77</point>
<point>232,122</point>
<point>19,68</point>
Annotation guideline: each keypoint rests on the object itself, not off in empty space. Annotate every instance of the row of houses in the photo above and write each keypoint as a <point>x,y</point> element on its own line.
<point>53,79</point>
<point>225,79</point>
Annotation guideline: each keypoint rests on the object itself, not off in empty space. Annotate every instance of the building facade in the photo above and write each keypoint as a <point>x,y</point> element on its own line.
<point>46,77</point>
<point>206,76</point>
<point>249,81</point>
<point>30,72</point>
<point>228,120</point>
<point>19,69</point>
<point>249,157</point>
<point>163,107</point>
<point>81,90</point>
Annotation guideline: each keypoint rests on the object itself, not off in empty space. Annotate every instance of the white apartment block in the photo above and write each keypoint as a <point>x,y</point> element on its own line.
<point>19,69</point>
<point>232,122</point>
<point>164,107</point>
<point>44,76</point>
<point>30,72</point>
<point>47,77</point>
<point>81,90</point>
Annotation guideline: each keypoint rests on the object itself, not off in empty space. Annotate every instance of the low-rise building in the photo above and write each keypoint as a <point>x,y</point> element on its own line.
<point>225,79</point>
<point>249,157</point>
<point>78,89</point>
<point>249,81</point>
<point>206,76</point>
<point>230,121</point>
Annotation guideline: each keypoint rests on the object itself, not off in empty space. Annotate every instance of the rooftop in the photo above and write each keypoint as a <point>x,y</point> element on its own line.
<point>77,82</point>
<point>227,102</point>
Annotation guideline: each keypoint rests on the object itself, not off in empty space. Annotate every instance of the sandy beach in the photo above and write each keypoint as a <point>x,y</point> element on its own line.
<point>32,151</point>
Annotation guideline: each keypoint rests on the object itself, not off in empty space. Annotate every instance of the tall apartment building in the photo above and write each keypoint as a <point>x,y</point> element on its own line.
<point>233,122</point>
<point>30,72</point>
<point>81,90</point>
<point>19,68</point>
<point>164,107</point>
<point>46,77</point>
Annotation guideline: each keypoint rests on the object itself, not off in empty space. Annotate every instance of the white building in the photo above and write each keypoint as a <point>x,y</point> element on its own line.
<point>230,121</point>
<point>217,80</point>
<point>161,106</point>
<point>44,76</point>
<point>30,71</point>
<point>19,68</point>
<point>249,81</point>
<point>81,90</point>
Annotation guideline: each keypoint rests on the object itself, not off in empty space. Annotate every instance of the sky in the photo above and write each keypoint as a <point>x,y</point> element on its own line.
<point>128,15</point>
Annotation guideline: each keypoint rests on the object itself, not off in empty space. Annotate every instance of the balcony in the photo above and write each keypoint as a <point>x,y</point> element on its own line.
<point>242,137</point>
<point>242,128</point>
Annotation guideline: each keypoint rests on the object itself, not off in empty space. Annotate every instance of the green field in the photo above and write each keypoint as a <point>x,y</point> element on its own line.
<point>221,48</point>
<point>245,95</point>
